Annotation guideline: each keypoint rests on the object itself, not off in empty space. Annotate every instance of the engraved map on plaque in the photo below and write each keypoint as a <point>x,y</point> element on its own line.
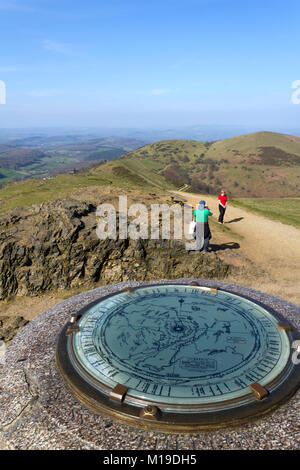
<point>179,344</point>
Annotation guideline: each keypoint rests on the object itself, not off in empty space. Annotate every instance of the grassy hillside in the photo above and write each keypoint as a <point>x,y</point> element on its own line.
<point>263,164</point>
<point>258,148</point>
<point>37,190</point>
<point>286,210</point>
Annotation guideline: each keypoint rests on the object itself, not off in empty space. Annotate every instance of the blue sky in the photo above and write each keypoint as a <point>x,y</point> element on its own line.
<point>156,63</point>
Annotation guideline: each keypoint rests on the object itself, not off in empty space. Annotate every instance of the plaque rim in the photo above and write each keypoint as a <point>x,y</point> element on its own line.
<point>288,382</point>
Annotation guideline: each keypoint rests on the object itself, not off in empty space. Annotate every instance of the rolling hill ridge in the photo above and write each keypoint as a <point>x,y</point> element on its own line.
<point>260,165</point>
<point>263,164</point>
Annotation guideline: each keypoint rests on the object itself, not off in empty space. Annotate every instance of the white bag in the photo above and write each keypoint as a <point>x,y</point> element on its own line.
<point>192,227</point>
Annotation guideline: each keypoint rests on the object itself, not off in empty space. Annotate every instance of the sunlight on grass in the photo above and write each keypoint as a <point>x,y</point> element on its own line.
<point>286,210</point>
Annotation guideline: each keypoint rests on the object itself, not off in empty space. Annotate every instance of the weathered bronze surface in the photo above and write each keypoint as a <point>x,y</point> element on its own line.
<point>72,329</point>
<point>284,326</point>
<point>120,401</point>
<point>119,392</point>
<point>130,290</point>
<point>260,392</point>
<point>150,412</point>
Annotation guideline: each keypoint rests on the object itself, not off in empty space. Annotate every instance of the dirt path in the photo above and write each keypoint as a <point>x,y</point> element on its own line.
<point>274,249</point>
<point>29,307</point>
<point>271,245</point>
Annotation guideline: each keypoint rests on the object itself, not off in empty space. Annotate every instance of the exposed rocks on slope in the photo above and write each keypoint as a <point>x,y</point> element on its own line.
<point>54,245</point>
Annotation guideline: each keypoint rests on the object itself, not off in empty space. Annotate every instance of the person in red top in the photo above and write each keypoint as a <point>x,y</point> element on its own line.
<point>222,206</point>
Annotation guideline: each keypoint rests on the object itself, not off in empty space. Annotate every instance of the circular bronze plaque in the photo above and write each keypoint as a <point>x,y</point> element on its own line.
<point>179,357</point>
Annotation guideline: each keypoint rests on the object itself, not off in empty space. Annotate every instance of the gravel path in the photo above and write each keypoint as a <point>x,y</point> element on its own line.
<point>273,246</point>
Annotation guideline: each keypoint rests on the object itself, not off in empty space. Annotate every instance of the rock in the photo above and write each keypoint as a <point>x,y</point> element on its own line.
<point>9,327</point>
<point>54,245</point>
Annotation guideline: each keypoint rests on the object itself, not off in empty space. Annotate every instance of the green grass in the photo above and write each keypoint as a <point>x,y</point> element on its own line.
<point>35,190</point>
<point>262,164</point>
<point>148,169</point>
<point>224,229</point>
<point>286,210</point>
<point>250,143</point>
<point>42,168</point>
<point>9,175</point>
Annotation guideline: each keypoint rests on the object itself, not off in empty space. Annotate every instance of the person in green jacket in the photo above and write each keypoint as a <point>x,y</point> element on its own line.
<point>203,234</point>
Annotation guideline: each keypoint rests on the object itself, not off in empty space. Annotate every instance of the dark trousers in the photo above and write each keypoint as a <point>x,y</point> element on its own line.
<point>203,236</point>
<point>202,244</point>
<point>222,213</point>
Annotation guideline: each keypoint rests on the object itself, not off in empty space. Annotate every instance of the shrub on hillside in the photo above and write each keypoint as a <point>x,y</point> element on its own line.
<point>176,175</point>
<point>200,186</point>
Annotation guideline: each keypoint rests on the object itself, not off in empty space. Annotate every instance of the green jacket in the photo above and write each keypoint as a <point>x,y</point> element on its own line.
<point>202,216</point>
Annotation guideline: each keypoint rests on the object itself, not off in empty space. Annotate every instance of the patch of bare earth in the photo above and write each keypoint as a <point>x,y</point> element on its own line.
<point>29,307</point>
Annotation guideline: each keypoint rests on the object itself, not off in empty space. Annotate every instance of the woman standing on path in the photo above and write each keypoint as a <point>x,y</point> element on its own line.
<point>202,228</point>
<point>222,206</point>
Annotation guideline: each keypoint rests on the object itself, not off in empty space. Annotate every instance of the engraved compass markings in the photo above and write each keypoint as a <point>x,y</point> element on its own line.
<point>179,335</point>
<point>216,334</point>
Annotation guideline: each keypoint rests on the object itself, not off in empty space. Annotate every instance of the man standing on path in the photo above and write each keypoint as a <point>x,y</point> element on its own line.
<point>203,234</point>
<point>222,206</point>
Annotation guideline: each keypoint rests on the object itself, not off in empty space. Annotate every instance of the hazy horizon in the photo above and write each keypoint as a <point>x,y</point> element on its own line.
<point>144,134</point>
<point>126,63</point>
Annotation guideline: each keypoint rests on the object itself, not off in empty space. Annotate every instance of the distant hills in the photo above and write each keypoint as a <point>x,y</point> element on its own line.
<point>263,164</point>
<point>199,132</point>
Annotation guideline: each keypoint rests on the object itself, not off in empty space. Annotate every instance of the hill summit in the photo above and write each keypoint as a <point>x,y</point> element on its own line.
<point>263,164</point>
<point>259,165</point>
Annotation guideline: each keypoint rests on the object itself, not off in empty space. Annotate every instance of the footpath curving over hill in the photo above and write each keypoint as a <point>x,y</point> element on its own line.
<point>262,164</point>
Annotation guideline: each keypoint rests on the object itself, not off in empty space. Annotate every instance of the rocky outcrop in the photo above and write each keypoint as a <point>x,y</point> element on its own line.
<point>54,245</point>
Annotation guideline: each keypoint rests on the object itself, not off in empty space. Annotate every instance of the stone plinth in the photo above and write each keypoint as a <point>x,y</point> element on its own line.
<point>38,412</point>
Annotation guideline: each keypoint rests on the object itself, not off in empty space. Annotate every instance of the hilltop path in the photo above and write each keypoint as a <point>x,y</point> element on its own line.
<point>273,246</point>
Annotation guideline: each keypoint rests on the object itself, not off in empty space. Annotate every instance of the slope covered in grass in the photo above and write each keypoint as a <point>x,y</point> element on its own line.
<point>263,164</point>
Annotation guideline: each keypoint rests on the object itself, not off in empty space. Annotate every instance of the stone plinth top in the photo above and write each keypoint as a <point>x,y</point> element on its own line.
<point>38,411</point>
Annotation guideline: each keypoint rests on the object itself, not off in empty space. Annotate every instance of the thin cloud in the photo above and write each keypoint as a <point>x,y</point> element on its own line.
<point>42,93</point>
<point>155,92</point>
<point>11,5</point>
<point>10,69</point>
<point>59,47</point>
<point>159,91</point>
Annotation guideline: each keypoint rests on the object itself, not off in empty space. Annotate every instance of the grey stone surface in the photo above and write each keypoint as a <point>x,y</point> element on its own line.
<point>38,412</point>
